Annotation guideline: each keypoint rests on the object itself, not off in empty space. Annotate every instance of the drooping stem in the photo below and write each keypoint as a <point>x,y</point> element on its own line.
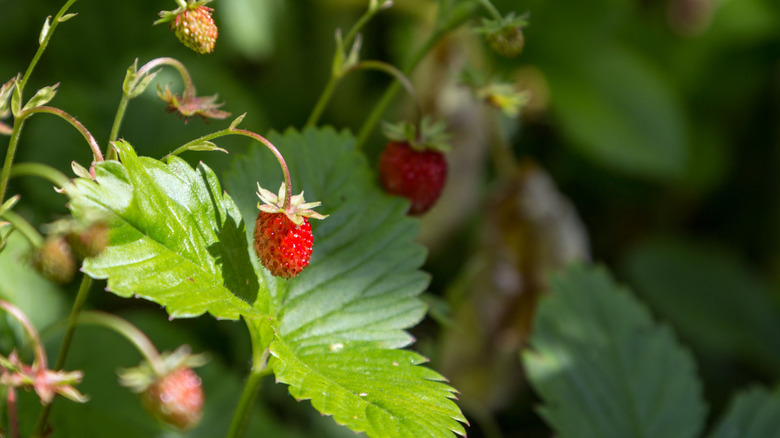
<point>491,9</point>
<point>338,57</point>
<point>129,332</point>
<point>255,136</point>
<point>40,170</point>
<point>28,231</point>
<point>5,174</point>
<point>260,356</point>
<point>189,91</point>
<point>402,79</point>
<point>98,156</point>
<point>454,21</point>
<point>38,351</point>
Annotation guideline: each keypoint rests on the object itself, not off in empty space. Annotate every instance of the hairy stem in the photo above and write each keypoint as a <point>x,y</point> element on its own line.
<point>129,332</point>
<point>260,355</point>
<point>19,121</point>
<point>336,74</point>
<point>491,9</point>
<point>13,419</point>
<point>255,136</point>
<point>189,91</point>
<point>391,91</point>
<point>97,155</point>
<point>39,352</point>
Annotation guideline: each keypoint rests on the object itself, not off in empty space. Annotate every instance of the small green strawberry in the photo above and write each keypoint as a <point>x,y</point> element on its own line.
<point>413,165</point>
<point>193,26</point>
<point>505,36</point>
<point>283,239</point>
<point>55,261</point>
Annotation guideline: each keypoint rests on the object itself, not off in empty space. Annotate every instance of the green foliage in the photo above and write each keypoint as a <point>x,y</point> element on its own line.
<point>342,319</point>
<point>755,413</point>
<point>176,238</point>
<point>711,297</point>
<point>605,369</point>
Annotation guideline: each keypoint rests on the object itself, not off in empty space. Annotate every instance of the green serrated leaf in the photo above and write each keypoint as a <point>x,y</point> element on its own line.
<point>42,97</point>
<point>176,238</point>
<point>341,322</point>
<point>754,413</point>
<point>604,369</point>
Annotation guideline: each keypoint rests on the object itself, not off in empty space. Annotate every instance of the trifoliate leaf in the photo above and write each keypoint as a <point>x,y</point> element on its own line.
<point>176,238</point>
<point>753,414</point>
<point>341,322</point>
<point>604,369</point>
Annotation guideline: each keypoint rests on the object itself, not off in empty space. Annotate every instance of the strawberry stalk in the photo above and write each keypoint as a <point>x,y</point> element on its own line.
<point>128,331</point>
<point>140,78</point>
<point>20,84</point>
<point>93,145</point>
<point>232,130</point>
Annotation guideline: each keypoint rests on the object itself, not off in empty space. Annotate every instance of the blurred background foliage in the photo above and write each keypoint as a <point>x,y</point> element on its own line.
<point>651,144</point>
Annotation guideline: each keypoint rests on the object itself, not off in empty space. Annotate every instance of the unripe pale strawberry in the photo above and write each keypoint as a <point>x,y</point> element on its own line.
<point>196,29</point>
<point>54,260</point>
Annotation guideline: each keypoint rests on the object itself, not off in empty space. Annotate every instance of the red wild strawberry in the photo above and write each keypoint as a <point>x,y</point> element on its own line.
<point>416,175</point>
<point>413,166</point>
<point>192,25</point>
<point>175,399</point>
<point>283,239</point>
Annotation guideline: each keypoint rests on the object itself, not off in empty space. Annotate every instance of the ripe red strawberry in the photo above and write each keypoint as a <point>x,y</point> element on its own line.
<point>416,175</point>
<point>413,164</point>
<point>175,399</point>
<point>54,260</point>
<point>283,239</point>
<point>192,25</point>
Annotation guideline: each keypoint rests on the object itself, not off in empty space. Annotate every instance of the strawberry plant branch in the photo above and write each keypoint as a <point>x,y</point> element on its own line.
<point>128,331</point>
<point>402,79</point>
<point>38,352</point>
<point>140,80</point>
<point>40,170</point>
<point>447,20</point>
<point>28,231</point>
<point>12,416</point>
<point>260,354</point>
<point>338,64</point>
<point>97,155</point>
<point>232,130</point>
<point>46,34</point>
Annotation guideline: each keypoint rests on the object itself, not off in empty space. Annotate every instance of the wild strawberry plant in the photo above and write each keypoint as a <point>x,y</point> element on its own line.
<point>326,295</point>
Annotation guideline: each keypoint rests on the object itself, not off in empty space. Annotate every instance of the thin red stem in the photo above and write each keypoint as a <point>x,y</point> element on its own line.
<point>288,184</point>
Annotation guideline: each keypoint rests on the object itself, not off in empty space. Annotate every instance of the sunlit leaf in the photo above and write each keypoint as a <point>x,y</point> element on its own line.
<point>176,238</point>
<point>341,322</point>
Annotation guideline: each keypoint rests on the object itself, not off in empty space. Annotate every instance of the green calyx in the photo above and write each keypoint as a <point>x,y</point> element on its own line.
<point>505,35</point>
<point>166,16</point>
<point>297,209</point>
<point>425,135</point>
